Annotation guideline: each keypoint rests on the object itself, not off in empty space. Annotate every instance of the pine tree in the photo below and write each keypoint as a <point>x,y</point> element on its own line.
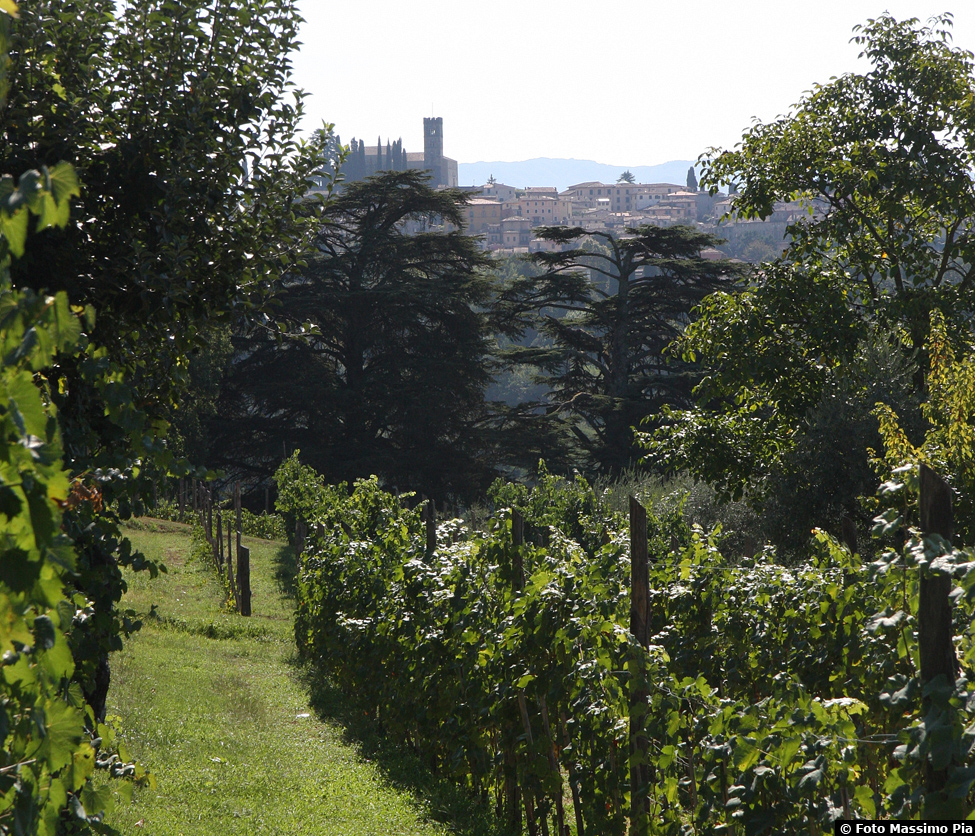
<point>609,307</point>
<point>691,179</point>
<point>393,380</point>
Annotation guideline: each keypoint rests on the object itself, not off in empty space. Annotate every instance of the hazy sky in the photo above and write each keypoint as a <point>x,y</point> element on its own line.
<point>625,82</point>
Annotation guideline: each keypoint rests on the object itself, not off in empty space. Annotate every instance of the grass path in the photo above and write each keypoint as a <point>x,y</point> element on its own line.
<point>215,707</point>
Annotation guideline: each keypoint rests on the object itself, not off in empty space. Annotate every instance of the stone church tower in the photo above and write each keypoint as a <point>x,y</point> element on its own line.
<point>365,160</point>
<point>433,159</point>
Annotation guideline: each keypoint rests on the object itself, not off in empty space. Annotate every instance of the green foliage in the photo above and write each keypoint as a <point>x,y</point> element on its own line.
<point>390,376</point>
<point>608,307</point>
<point>191,177</point>
<point>303,495</point>
<point>780,698</point>
<point>263,526</point>
<point>948,445</point>
<point>880,160</point>
<point>46,758</point>
<point>181,122</point>
<point>50,742</point>
<point>883,160</point>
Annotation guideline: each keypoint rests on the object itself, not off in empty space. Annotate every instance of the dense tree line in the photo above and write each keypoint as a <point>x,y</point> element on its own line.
<point>400,322</point>
<point>177,121</point>
<point>389,375</point>
<point>796,361</point>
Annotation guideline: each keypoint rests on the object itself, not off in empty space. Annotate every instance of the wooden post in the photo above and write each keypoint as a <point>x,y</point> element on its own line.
<point>209,506</point>
<point>182,497</point>
<point>848,530</point>
<point>218,553</point>
<point>244,579</point>
<point>934,630</point>
<point>232,581</point>
<point>937,650</point>
<point>553,762</point>
<point>230,534</point>
<point>518,540</point>
<point>529,804</point>
<point>640,628</point>
<point>431,518</point>
<point>237,507</point>
<point>512,793</point>
<point>573,781</point>
<point>267,500</point>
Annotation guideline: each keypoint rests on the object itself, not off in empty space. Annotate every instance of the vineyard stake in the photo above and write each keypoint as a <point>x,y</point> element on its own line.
<point>573,780</point>
<point>518,540</point>
<point>237,507</point>
<point>511,791</point>
<point>554,763</point>
<point>218,548</point>
<point>244,579</point>
<point>639,627</point>
<point>529,802</point>
<point>209,505</point>
<point>230,573</point>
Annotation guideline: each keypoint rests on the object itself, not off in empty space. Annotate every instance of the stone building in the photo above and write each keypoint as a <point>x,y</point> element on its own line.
<point>366,160</point>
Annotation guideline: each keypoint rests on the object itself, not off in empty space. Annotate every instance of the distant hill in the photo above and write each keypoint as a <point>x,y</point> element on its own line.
<point>545,171</point>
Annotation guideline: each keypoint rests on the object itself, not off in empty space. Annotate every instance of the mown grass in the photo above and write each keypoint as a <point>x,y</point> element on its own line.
<point>217,708</point>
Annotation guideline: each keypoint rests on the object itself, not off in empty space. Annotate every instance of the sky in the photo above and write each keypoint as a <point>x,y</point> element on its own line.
<point>624,82</point>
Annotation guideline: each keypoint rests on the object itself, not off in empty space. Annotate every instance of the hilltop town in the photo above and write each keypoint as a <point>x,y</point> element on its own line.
<point>504,216</point>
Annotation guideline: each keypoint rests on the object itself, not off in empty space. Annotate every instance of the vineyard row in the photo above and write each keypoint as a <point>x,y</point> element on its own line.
<point>742,698</point>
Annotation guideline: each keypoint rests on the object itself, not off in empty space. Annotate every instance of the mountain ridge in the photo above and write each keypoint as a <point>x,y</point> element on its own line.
<point>563,172</point>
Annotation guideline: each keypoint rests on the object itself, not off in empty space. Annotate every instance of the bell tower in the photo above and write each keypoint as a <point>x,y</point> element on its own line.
<point>433,150</point>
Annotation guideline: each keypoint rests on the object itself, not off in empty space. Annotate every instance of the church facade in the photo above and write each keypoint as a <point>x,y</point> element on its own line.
<point>365,160</point>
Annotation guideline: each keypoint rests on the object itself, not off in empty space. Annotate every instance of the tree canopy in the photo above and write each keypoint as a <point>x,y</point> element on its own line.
<point>390,379</point>
<point>882,162</point>
<point>607,307</point>
<point>180,121</point>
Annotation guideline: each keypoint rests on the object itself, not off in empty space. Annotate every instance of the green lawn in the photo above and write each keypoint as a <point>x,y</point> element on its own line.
<point>214,705</point>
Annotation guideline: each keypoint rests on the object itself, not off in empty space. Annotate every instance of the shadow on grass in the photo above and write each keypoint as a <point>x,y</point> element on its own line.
<point>286,571</point>
<point>442,800</point>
